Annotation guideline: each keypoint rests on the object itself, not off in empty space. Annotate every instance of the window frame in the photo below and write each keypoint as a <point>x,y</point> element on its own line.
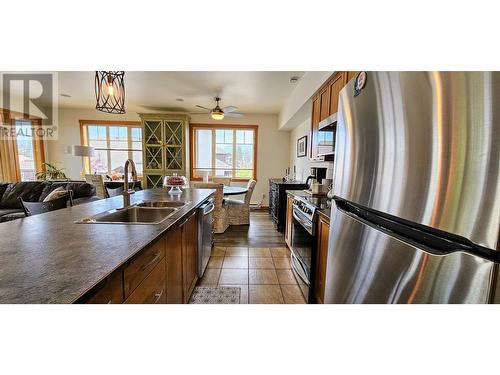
<point>84,138</point>
<point>192,146</point>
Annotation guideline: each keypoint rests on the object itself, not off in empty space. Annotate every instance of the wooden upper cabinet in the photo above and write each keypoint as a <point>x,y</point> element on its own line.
<point>315,119</point>
<point>350,75</point>
<point>324,97</point>
<point>325,103</point>
<point>335,85</point>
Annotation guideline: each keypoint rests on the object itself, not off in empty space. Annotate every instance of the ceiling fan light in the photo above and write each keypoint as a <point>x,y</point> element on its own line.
<point>217,115</point>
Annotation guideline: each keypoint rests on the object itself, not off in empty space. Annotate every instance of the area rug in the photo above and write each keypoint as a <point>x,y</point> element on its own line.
<point>215,295</point>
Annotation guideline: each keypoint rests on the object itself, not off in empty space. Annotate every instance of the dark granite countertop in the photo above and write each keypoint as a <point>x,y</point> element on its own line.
<point>321,202</point>
<point>48,258</point>
<point>280,181</point>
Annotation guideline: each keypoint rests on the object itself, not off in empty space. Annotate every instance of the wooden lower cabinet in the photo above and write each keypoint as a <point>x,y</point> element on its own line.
<point>107,292</point>
<point>152,289</point>
<point>323,232</point>
<point>164,272</point>
<point>142,265</point>
<point>289,221</point>
<point>173,261</point>
<point>189,255</point>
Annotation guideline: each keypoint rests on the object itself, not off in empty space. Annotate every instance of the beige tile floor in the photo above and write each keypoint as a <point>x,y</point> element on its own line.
<point>263,274</point>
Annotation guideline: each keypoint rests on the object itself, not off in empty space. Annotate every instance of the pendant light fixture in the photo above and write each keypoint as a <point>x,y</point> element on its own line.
<point>110,91</point>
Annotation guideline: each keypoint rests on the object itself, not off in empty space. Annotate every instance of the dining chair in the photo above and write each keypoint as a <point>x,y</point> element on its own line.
<point>114,192</point>
<point>220,212</point>
<point>226,181</point>
<point>36,208</point>
<point>239,210</point>
<point>98,181</point>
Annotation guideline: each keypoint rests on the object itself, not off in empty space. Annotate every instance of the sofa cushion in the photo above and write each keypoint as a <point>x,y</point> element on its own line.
<point>8,211</point>
<point>56,194</point>
<point>29,191</point>
<point>12,216</point>
<point>3,187</point>
<point>80,189</point>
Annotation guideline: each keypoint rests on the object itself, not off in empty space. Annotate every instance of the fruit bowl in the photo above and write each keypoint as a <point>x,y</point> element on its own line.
<point>175,183</point>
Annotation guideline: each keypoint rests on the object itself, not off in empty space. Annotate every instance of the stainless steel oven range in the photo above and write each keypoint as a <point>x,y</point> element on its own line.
<point>303,244</point>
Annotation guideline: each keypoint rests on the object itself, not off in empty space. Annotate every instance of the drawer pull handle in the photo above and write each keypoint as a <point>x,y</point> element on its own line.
<point>153,261</point>
<point>158,296</point>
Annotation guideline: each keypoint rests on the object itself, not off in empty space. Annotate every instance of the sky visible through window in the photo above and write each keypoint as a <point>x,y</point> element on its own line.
<point>114,144</point>
<point>224,152</point>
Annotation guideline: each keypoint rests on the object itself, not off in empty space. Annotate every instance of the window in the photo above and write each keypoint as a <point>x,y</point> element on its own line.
<point>114,143</point>
<point>25,150</point>
<point>224,151</point>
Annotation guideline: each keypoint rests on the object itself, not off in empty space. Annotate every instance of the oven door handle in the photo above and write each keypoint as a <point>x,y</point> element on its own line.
<point>295,261</point>
<point>305,225</point>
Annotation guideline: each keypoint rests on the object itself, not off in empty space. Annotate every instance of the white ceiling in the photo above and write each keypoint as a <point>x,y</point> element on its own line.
<point>251,92</point>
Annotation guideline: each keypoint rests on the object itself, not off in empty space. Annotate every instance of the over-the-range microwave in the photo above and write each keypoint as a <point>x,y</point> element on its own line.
<point>326,135</point>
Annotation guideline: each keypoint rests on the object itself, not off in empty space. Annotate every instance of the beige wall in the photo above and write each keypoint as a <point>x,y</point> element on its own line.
<point>302,164</point>
<point>69,134</point>
<point>273,145</point>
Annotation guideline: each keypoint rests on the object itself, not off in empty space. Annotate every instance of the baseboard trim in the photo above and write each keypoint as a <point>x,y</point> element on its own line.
<point>261,208</point>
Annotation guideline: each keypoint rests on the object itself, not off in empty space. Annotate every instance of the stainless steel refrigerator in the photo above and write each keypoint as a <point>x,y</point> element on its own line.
<point>417,189</point>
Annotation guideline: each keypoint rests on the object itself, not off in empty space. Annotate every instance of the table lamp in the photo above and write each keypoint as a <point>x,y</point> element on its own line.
<point>83,152</point>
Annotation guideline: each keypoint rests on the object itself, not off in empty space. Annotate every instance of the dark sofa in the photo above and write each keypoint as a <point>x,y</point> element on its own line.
<point>36,191</point>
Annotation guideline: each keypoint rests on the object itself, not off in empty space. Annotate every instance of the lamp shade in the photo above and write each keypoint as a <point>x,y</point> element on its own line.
<point>83,151</point>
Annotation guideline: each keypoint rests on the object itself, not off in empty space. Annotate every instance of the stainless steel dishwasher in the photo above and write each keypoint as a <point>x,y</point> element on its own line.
<point>205,234</point>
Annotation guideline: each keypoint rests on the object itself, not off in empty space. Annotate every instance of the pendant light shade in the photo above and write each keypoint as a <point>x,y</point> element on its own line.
<point>110,91</point>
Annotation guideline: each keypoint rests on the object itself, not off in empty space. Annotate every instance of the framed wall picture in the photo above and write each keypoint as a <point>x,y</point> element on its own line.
<point>302,146</point>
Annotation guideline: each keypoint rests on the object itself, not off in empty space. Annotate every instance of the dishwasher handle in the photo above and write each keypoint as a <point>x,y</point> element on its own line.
<point>210,207</point>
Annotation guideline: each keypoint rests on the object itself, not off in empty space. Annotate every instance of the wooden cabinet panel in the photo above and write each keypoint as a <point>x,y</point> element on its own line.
<point>336,84</point>
<point>109,291</point>
<point>189,255</point>
<point>289,218</point>
<point>173,260</point>
<point>315,118</point>
<point>152,288</point>
<point>324,97</point>
<point>321,258</point>
<point>350,75</point>
<point>142,264</point>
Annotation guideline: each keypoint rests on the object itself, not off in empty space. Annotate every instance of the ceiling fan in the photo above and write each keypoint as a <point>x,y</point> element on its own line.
<point>219,113</point>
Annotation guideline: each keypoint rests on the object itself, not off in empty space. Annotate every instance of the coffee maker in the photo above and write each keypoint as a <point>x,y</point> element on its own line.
<point>318,173</point>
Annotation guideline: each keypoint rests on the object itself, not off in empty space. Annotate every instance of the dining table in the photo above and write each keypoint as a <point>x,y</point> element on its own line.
<point>234,190</point>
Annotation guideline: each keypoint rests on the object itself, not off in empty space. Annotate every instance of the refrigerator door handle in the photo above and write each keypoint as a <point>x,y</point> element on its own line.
<point>435,241</point>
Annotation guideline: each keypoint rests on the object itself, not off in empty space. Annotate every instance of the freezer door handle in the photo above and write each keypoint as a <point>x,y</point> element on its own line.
<point>432,240</point>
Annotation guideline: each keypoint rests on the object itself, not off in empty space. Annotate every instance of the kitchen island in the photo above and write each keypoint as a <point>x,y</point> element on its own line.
<point>49,258</point>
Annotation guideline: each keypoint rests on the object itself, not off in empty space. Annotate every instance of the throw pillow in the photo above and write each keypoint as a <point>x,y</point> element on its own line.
<point>55,194</point>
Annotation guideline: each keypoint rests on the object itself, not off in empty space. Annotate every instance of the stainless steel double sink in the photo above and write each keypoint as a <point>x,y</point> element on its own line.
<point>144,212</point>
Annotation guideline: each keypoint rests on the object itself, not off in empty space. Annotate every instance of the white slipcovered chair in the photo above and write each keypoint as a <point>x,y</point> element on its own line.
<point>226,181</point>
<point>220,212</point>
<point>98,181</point>
<point>239,211</point>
